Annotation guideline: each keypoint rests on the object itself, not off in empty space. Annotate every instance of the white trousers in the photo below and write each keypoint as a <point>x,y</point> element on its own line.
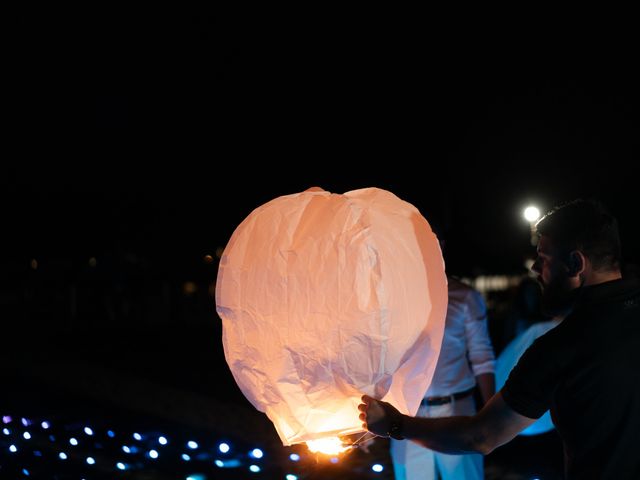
<point>413,462</point>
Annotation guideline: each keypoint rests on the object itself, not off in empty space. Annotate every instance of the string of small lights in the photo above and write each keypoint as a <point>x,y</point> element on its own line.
<point>49,448</point>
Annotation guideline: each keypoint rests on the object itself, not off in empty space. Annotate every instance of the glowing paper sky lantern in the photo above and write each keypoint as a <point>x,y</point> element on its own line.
<point>324,297</point>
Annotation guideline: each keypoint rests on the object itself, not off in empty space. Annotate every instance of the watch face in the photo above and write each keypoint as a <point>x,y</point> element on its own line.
<point>395,430</point>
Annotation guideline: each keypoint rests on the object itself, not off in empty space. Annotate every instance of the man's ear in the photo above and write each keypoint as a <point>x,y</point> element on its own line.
<point>577,263</point>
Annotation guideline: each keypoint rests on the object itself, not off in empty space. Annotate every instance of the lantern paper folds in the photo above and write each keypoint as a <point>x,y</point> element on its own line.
<point>324,297</point>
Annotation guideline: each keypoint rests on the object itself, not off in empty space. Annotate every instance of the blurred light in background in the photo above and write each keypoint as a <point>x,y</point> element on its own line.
<point>256,453</point>
<point>531,213</point>
<point>189,288</point>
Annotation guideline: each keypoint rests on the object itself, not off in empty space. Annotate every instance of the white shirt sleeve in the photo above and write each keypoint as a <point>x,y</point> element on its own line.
<point>480,349</point>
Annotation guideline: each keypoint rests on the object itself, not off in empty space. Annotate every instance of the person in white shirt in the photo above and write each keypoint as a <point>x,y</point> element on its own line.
<point>466,361</point>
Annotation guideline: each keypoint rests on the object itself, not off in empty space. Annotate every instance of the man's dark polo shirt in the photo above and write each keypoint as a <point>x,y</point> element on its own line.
<point>587,372</point>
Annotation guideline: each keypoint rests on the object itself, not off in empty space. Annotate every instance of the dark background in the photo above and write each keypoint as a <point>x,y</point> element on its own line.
<point>142,139</point>
<point>160,131</point>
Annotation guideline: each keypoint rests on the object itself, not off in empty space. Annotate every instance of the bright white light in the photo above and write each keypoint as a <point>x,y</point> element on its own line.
<point>153,454</point>
<point>121,466</point>
<point>327,445</point>
<point>88,431</point>
<point>126,449</point>
<point>73,441</point>
<point>90,461</point>
<point>291,476</point>
<point>6,431</point>
<point>13,448</point>
<point>531,213</point>
<point>186,457</point>
<point>294,457</point>
<point>162,440</point>
<point>110,433</point>
<point>223,447</point>
<point>45,425</point>
<point>219,463</point>
<point>26,435</point>
<point>377,468</point>
<point>254,468</point>
<point>256,453</point>
<point>62,455</point>
<point>528,264</point>
<point>137,436</point>
<point>192,445</point>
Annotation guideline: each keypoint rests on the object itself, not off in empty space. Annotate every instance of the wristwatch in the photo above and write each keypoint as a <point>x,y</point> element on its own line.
<point>395,427</point>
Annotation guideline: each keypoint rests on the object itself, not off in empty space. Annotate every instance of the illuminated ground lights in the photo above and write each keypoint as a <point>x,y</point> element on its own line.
<point>57,449</point>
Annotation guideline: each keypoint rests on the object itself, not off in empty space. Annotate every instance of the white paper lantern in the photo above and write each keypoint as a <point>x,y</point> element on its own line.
<point>324,297</point>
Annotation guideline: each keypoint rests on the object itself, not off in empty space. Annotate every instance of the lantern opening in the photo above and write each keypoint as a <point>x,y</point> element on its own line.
<point>327,445</point>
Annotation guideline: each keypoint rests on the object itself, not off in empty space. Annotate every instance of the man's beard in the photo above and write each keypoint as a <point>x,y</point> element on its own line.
<point>558,297</point>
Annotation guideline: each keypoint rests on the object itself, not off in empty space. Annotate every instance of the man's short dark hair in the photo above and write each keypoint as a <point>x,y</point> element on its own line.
<point>584,225</point>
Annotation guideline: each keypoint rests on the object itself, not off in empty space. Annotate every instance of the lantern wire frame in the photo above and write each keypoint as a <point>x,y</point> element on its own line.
<point>361,439</point>
<point>345,442</point>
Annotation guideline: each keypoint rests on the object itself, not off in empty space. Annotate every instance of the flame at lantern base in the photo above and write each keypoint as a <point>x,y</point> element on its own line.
<point>327,445</point>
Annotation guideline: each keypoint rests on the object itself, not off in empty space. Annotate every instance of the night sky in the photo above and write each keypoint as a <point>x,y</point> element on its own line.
<point>159,133</point>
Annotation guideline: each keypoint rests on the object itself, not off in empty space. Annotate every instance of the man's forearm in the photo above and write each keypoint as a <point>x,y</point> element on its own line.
<point>453,435</point>
<point>494,425</point>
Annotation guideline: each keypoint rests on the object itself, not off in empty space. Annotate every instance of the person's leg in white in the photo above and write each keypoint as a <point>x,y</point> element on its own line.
<point>410,460</point>
<point>460,467</point>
